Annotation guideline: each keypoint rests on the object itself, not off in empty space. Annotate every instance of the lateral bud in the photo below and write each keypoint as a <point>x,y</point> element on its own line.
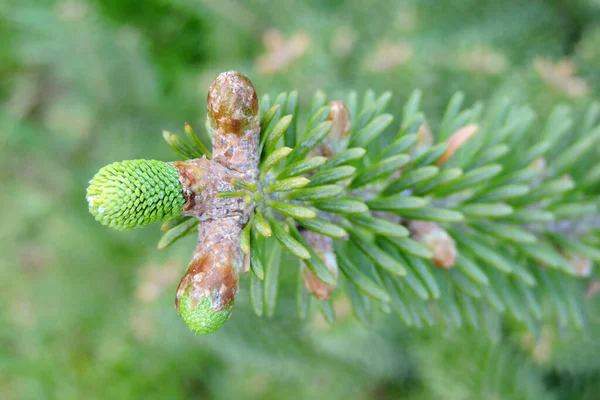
<point>207,291</point>
<point>337,139</point>
<point>323,246</point>
<point>340,120</point>
<point>437,240</point>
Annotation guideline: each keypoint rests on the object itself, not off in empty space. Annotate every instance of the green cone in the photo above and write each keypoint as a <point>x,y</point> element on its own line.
<point>134,193</point>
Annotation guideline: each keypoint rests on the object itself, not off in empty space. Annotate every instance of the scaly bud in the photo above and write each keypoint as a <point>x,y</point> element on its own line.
<point>437,240</point>
<point>134,193</point>
<point>337,139</point>
<point>207,291</point>
<point>323,246</point>
<point>233,117</point>
<point>232,103</point>
<point>340,120</point>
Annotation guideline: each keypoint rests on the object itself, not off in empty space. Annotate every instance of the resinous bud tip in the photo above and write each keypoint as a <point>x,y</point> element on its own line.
<point>232,103</point>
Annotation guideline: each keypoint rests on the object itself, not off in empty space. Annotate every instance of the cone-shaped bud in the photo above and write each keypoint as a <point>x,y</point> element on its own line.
<point>232,102</point>
<point>233,117</point>
<point>437,240</point>
<point>134,193</point>
<point>340,120</point>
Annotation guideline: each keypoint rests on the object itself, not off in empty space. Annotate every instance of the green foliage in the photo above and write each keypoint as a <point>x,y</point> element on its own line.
<point>500,259</point>
<point>88,311</point>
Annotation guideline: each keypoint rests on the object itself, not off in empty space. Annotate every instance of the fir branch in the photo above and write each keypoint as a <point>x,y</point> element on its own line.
<point>453,232</point>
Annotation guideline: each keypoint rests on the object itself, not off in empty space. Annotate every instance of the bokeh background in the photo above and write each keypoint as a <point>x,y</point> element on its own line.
<point>87,312</point>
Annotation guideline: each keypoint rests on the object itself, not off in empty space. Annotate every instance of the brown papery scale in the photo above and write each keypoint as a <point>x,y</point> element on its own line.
<point>207,291</point>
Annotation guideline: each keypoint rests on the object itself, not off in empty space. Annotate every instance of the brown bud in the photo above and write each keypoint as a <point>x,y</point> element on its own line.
<point>337,140</point>
<point>233,117</point>
<point>340,120</point>
<point>437,240</point>
<point>323,246</point>
<point>232,102</point>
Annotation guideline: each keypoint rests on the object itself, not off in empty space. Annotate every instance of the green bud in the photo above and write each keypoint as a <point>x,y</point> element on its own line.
<point>200,317</point>
<point>135,193</point>
<point>207,291</point>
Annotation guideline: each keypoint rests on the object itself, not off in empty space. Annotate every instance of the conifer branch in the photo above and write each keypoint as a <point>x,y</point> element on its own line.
<point>454,232</point>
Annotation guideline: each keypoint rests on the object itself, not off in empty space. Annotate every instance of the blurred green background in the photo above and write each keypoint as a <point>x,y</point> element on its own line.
<point>87,312</point>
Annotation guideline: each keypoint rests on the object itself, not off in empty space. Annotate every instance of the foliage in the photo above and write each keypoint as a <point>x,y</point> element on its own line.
<point>513,219</point>
<point>88,311</point>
